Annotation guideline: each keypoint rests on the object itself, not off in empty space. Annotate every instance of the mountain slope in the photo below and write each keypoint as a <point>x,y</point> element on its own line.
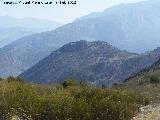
<point>95,62</point>
<point>143,76</point>
<point>81,60</point>
<point>133,27</point>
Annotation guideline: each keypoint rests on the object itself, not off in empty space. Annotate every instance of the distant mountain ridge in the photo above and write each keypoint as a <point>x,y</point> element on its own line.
<point>133,27</point>
<point>30,23</point>
<point>8,35</point>
<point>12,29</point>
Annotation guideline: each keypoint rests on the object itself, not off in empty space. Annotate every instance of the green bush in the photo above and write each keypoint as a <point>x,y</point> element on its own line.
<point>1,79</point>
<point>14,79</point>
<point>154,79</point>
<point>68,83</point>
<point>75,102</point>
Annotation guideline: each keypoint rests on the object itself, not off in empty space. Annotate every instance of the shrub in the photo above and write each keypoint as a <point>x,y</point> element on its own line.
<point>68,83</point>
<point>110,104</point>
<point>1,79</point>
<point>14,79</point>
<point>154,79</point>
<point>83,83</point>
<point>75,102</point>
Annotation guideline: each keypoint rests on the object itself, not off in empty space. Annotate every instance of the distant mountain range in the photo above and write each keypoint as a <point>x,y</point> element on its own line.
<point>95,62</point>
<point>32,23</point>
<point>133,27</point>
<point>12,29</point>
<point>8,35</point>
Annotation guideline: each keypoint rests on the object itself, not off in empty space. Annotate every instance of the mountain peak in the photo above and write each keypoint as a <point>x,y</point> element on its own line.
<point>80,60</point>
<point>83,45</point>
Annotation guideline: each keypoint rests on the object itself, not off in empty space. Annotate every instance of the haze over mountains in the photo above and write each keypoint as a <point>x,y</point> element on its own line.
<point>133,27</point>
<point>9,35</point>
<point>33,23</point>
<point>12,29</point>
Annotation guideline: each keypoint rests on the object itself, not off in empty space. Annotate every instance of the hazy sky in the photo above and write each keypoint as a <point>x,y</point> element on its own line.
<point>59,13</point>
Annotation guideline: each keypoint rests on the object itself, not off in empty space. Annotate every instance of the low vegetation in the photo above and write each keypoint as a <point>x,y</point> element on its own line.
<point>70,101</point>
<point>147,84</point>
<point>154,79</point>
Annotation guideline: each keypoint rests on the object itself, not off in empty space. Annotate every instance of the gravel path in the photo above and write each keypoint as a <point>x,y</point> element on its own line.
<point>150,112</point>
